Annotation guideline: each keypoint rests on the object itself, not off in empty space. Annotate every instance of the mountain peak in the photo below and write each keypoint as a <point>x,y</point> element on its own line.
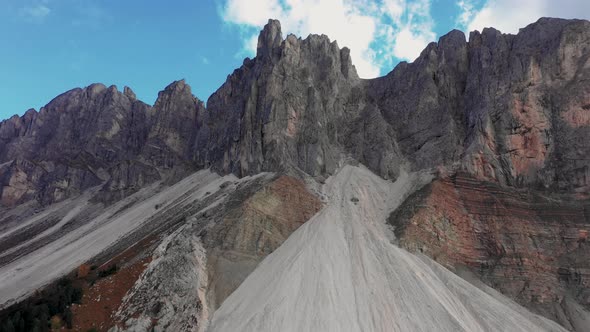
<point>95,88</point>
<point>270,38</point>
<point>179,86</point>
<point>129,93</point>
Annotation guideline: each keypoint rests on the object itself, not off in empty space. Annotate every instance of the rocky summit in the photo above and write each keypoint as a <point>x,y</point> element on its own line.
<point>302,197</point>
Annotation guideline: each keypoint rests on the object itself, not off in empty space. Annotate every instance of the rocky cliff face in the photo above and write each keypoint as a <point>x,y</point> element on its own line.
<point>501,107</point>
<point>525,95</point>
<point>503,120</point>
<point>300,104</point>
<point>96,136</point>
<point>530,246</point>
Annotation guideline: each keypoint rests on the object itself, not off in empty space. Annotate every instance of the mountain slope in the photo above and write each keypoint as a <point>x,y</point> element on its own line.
<point>92,230</point>
<point>500,122</point>
<point>532,247</point>
<point>340,272</point>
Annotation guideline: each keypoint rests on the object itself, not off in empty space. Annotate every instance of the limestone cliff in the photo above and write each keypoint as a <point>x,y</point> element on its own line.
<point>502,121</point>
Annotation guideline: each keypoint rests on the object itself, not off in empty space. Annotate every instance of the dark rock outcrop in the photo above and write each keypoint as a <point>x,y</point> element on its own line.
<point>173,126</point>
<point>425,104</point>
<point>298,103</point>
<point>93,136</point>
<point>502,107</point>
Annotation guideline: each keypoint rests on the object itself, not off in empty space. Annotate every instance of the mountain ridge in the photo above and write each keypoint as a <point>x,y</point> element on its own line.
<point>497,120</point>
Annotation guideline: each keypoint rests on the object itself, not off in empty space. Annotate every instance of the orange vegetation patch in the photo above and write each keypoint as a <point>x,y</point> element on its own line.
<point>102,300</point>
<point>83,271</point>
<point>55,322</point>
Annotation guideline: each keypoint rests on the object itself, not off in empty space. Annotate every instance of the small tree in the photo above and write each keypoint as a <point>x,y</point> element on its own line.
<point>55,322</point>
<point>68,317</point>
<point>77,295</point>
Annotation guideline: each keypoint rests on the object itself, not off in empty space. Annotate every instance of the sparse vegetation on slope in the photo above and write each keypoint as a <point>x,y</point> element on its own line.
<point>35,314</point>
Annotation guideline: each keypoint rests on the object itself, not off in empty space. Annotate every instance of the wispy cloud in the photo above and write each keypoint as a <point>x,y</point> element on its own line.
<point>90,14</point>
<point>35,13</point>
<point>509,16</point>
<point>412,28</point>
<point>466,12</point>
<point>205,60</point>
<point>377,33</point>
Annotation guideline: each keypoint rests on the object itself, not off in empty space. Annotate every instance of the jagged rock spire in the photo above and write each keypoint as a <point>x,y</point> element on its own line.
<point>270,39</point>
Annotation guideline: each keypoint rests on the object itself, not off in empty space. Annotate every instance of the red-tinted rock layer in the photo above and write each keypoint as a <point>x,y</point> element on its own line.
<point>253,230</point>
<point>532,247</point>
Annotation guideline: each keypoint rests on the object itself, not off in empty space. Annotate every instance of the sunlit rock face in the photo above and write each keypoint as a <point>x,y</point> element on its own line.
<point>297,103</point>
<point>495,127</point>
<point>508,108</point>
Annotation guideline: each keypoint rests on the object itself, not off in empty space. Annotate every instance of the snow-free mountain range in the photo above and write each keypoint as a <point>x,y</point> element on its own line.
<point>452,194</point>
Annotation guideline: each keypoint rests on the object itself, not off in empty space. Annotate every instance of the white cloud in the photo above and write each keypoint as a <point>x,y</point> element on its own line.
<point>251,43</point>
<point>375,32</point>
<point>252,12</point>
<point>36,13</point>
<point>395,9</point>
<point>466,12</point>
<point>415,32</point>
<point>509,16</point>
<point>409,45</point>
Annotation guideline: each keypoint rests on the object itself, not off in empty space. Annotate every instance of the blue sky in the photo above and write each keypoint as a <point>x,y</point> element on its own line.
<point>51,46</point>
